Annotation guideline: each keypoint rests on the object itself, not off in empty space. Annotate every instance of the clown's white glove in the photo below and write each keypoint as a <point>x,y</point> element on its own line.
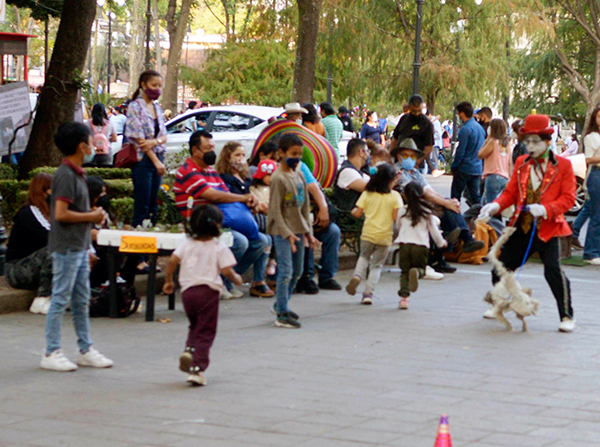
<point>488,210</point>
<point>537,210</point>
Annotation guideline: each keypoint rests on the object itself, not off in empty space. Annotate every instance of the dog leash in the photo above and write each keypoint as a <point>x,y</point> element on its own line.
<point>528,246</point>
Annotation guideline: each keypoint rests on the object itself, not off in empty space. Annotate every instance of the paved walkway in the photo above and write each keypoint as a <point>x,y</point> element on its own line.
<point>352,376</point>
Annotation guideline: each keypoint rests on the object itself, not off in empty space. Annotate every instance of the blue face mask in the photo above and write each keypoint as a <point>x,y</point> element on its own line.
<point>88,158</point>
<point>373,170</point>
<point>292,162</point>
<point>408,163</point>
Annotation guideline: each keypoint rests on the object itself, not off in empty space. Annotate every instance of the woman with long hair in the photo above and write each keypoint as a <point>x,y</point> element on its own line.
<point>28,262</point>
<point>233,168</point>
<point>145,128</point>
<point>497,155</point>
<point>591,144</point>
<point>267,151</point>
<point>371,130</point>
<point>103,133</point>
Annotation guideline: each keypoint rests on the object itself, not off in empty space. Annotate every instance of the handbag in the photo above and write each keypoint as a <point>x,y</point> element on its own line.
<point>127,156</point>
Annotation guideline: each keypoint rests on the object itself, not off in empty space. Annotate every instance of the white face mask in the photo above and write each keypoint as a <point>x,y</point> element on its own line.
<point>536,147</point>
<point>489,131</point>
<point>299,121</point>
<point>514,135</point>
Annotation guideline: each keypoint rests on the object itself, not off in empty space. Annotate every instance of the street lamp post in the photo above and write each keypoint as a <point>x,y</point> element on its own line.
<point>109,48</point>
<point>417,62</point>
<point>148,19</point>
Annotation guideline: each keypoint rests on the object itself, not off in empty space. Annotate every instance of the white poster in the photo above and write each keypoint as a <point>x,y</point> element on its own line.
<point>2,11</point>
<point>15,111</point>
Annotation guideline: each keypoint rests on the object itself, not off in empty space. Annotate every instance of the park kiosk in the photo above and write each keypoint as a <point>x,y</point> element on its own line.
<point>13,44</point>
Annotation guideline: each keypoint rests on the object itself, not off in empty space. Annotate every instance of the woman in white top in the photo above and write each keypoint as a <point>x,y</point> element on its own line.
<point>591,249</point>
<point>101,125</point>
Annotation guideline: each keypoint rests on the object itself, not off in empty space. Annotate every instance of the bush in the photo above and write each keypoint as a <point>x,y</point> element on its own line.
<point>119,189</point>
<point>8,172</point>
<point>12,199</point>
<point>105,173</point>
<point>122,209</point>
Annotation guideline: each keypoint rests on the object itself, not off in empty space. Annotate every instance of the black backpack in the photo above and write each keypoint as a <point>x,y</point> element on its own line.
<point>127,301</point>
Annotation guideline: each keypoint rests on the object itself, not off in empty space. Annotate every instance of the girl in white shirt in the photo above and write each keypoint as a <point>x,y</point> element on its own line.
<point>416,222</point>
<point>203,259</point>
<point>591,249</point>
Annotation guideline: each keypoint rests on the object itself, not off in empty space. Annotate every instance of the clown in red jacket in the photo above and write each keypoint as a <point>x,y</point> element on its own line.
<point>542,188</point>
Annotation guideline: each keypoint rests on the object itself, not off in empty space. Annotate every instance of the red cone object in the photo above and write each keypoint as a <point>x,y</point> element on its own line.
<point>443,435</point>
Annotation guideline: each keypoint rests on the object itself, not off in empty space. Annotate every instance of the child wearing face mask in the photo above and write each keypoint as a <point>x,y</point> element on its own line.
<point>289,224</point>
<point>379,204</point>
<point>542,187</point>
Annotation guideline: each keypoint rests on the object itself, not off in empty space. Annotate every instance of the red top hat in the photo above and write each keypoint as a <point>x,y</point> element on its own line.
<point>536,125</point>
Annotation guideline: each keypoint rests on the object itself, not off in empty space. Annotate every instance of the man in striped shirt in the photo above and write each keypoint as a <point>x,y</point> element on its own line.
<point>197,180</point>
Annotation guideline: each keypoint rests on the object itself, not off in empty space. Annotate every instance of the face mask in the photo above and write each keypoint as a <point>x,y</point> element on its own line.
<point>88,158</point>
<point>408,163</point>
<point>153,93</point>
<point>373,170</point>
<point>489,131</point>
<point>209,158</point>
<point>104,202</point>
<point>536,149</point>
<point>299,121</point>
<point>238,165</point>
<point>292,162</point>
<point>368,162</point>
<point>514,135</point>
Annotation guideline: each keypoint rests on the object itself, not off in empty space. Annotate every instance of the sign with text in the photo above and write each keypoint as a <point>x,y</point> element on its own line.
<point>15,113</point>
<point>138,244</point>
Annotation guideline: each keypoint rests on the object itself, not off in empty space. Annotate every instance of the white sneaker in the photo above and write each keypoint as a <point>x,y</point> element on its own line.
<point>566,325</point>
<point>490,314</point>
<point>197,379</point>
<point>595,261</point>
<point>94,359</point>
<point>431,274</point>
<point>235,293</point>
<point>225,295</point>
<point>40,305</point>
<point>57,362</point>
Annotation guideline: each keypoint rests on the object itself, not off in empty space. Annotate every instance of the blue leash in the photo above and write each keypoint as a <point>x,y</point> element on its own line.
<point>528,246</point>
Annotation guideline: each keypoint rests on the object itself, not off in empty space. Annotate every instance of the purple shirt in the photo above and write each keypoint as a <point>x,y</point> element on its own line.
<point>140,124</point>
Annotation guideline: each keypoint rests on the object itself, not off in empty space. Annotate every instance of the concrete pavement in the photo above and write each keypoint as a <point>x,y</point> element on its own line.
<point>352,376</point>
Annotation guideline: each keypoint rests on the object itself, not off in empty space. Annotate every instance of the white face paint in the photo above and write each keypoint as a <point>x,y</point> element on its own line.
<point>535,145</point>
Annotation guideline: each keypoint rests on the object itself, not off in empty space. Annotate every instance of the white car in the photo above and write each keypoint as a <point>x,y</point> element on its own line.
<point>239,123</point>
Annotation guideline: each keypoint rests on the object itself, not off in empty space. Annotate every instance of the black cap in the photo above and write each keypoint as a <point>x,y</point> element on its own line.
<point>343,109</point>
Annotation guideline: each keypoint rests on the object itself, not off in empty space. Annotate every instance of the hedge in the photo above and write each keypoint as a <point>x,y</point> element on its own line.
<point>8,172</point>
<point>105,173</point>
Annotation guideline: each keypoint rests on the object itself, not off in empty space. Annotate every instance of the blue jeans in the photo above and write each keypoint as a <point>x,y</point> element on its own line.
<point>70,281</point>
<point>494,184</point>
<point>289,269</point>
<point>584,214</point>
<point>591,249</point>
<point>146,182</point>
<point>251,252</point>
<point>330,238</point>
<point>462,181</point>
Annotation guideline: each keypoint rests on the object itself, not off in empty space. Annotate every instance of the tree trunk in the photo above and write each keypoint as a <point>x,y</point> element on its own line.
<point>58,97</point>
<point>306,50</point>
<point>136,48</point>
<point>177,25</point>
<point>157,46</point>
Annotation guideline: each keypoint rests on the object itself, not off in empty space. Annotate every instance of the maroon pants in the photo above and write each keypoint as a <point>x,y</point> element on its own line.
<point>201,304</point>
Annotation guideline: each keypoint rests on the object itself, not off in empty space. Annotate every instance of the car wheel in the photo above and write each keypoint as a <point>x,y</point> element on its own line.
<point>579,198</point>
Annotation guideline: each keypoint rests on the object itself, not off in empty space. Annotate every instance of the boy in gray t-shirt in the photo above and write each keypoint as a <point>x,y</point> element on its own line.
<point>69,242</point>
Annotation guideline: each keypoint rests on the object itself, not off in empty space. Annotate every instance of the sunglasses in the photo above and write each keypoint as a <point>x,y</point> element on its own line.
<point>407,156</point>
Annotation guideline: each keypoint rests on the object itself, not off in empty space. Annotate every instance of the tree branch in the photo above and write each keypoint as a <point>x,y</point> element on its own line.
<point>580,18</point>
<point>402,18</point>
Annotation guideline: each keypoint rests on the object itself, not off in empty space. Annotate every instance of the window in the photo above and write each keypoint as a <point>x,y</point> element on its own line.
<point>189,124</point>
<point>233,122</point>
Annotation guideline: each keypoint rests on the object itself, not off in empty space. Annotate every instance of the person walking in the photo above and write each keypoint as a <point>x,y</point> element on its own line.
<point>203,259</point>
<point>416,224</point>
<point>334,129</point>
<point>466,167</point>
<point>542,188</point>
<point>379,204</point>
<point>496,153</point>
<point>370,129</point>
<point>591,249</point>
<point>103,133</point>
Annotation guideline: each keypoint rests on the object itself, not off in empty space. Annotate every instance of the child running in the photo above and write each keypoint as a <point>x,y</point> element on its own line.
<point>289,224</point>
<point>380,205</point>
<point>203,258</point>
<point>416,222</point>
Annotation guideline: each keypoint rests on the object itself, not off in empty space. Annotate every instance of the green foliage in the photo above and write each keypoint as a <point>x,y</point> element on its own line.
<point>93,97</point>
<point>12,199</point>
<point>252,72</point>
<point>8,171</point>
<point>122,209</point>
<point>119,188</point>
<point>40,9</point>
<point>105,173</point>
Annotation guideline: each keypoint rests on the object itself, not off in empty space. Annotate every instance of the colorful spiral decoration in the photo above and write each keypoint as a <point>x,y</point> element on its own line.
<point>318,154</point>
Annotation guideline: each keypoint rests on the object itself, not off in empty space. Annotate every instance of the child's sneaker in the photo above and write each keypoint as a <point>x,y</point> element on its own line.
<point>367,300</point>
<point>413,279</point>
<point>403,304</point>
<point>185,361</point>
<point>286,320</point>
<point>197,379</point>
<point>94,359</point>
<point>352,285</point>
<point>57,361</point>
